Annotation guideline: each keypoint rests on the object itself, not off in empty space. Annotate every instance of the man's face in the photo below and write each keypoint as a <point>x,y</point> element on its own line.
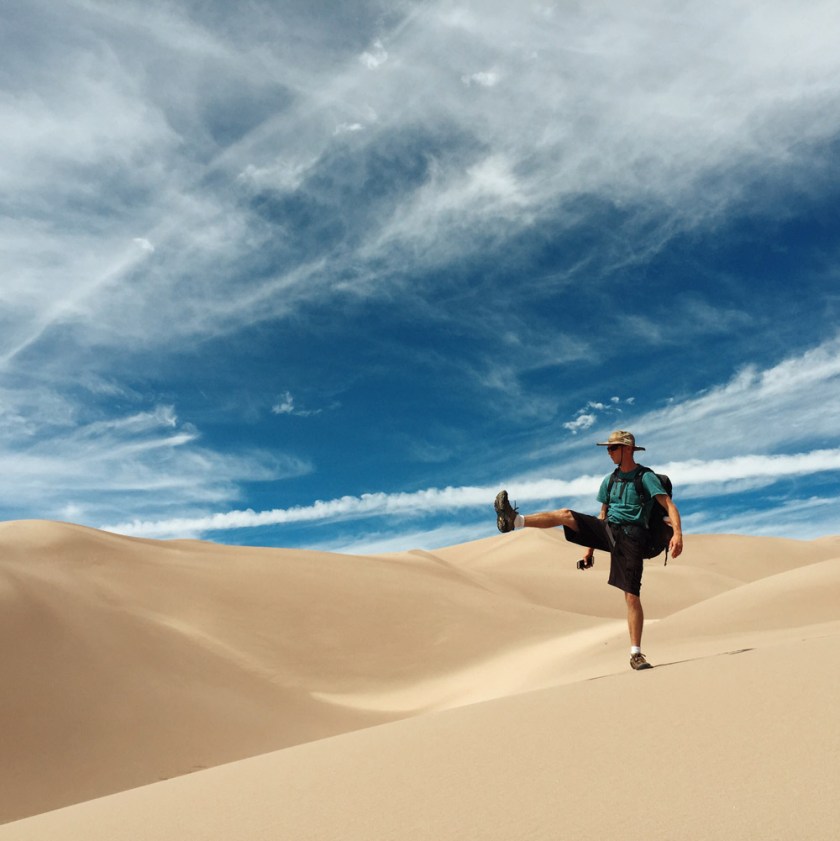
<point>616,452</point>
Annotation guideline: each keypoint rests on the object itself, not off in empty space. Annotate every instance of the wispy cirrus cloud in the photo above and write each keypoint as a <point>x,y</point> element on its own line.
<point>65,461</point>
<point>792,403</point>
<point>665,127</point>
<point>813,516</point>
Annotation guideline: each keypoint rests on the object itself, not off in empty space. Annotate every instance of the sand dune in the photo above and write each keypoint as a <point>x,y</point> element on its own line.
<point>446,694</point>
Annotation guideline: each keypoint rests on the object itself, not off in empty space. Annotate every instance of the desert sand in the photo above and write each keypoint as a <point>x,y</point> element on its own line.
<point>187,690</point>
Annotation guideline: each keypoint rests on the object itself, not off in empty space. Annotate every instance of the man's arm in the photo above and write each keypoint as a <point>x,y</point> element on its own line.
<point>675,547</point>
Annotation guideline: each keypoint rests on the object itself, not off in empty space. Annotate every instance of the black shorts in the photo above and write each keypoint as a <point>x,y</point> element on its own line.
<point>626,545</point>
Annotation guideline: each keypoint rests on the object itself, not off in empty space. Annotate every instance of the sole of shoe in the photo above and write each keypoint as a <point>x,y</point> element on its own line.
<point>501,504</point>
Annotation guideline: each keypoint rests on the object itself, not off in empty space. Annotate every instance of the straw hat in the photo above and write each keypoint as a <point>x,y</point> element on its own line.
<point>623,438</point>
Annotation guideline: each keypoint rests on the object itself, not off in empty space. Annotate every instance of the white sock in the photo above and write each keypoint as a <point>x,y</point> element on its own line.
<point>519,522</point>
<point>635,649</point>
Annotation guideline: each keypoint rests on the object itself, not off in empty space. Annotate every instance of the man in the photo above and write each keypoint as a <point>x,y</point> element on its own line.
<point>619,530</point>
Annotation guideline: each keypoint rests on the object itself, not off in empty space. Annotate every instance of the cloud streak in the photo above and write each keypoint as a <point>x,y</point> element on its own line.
<point>688,477</point>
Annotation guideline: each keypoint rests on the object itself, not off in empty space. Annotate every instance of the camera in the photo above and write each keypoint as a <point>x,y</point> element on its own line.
<point>585,563</point>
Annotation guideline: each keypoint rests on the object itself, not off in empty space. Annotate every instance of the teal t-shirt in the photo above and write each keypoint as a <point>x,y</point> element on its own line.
<point>624,504</point>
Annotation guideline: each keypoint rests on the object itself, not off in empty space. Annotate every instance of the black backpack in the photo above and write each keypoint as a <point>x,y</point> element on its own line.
<point>659,532</point>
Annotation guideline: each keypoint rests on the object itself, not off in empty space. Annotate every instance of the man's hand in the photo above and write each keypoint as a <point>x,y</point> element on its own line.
<point>588,559</point>
<point>675,547</point>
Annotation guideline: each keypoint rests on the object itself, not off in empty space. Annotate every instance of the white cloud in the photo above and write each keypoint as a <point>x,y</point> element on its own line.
<point>588,416</point>
<point>72,513</point>
<point>144,244</point>
<point>375,57</point>
<point>484,79</point>
<point>348,507</point>
<point>581,422</point>
<point>754,466</point>
<point>439,215</point>
<point>286,405</point>
<point>700,474</point>
<point>348,128</point>
<point>283,175</point>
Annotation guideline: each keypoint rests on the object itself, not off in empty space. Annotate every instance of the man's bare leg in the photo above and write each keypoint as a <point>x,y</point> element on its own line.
<point>635,618</point>
<point>508,518</point>
<point>551,519</point>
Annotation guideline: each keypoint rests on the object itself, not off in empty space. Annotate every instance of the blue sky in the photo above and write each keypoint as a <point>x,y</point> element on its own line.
<point>329,275</point>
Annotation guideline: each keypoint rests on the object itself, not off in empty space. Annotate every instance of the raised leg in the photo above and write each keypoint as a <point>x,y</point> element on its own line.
<point>551,519</point>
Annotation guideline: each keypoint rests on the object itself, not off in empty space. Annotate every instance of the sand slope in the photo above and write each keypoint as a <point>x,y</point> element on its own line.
<point>126,662</point>
<point>687,758</point>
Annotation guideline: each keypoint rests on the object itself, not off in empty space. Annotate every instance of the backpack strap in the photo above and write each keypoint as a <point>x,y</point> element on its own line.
<point>641,490</point>
<point>613,477</point>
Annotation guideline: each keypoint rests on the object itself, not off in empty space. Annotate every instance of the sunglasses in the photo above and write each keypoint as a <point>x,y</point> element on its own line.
<point>613,447</point>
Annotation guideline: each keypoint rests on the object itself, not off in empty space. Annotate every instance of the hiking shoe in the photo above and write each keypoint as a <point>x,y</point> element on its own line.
<point>638,661</point>
<point>505,512</point>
